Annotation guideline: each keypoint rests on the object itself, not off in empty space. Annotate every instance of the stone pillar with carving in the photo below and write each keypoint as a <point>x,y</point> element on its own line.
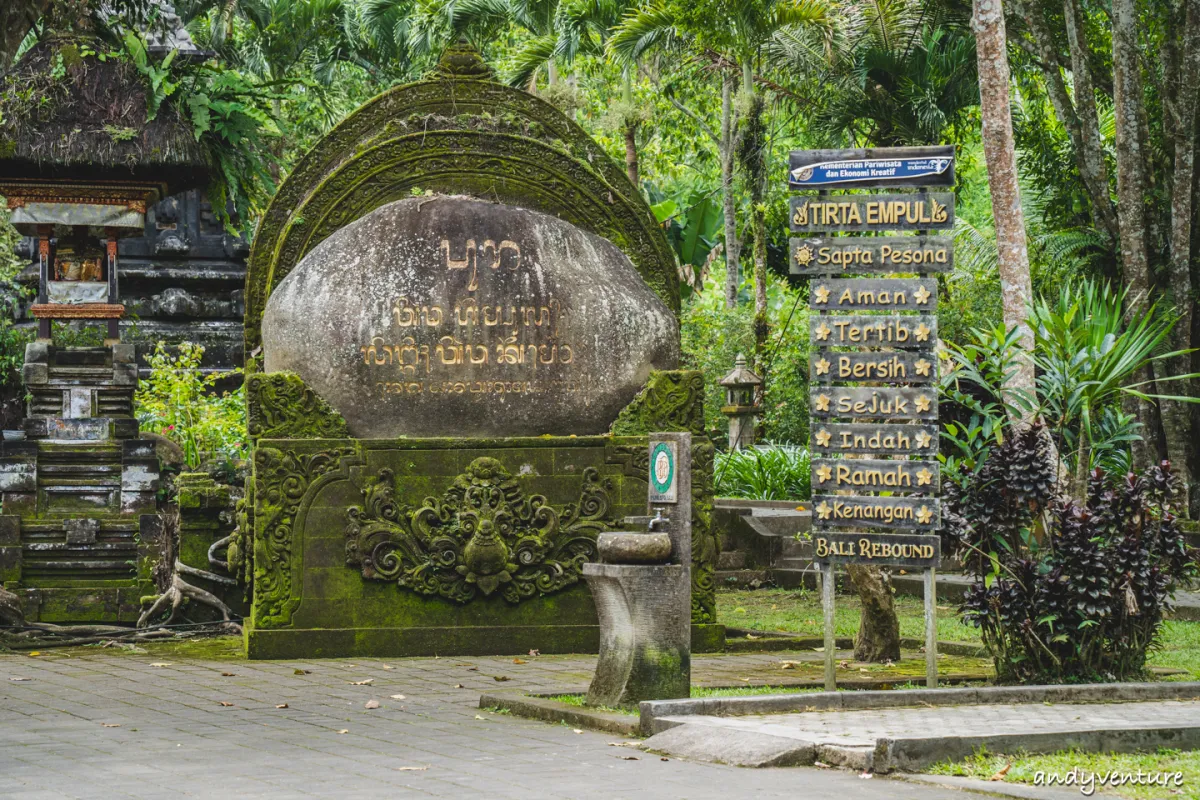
<point>642,589</point>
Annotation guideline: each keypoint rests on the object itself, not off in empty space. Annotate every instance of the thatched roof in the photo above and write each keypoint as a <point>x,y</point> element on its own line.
<point>64,115</point>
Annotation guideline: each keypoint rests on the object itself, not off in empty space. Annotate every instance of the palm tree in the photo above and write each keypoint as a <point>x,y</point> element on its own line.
<point>734,35</point>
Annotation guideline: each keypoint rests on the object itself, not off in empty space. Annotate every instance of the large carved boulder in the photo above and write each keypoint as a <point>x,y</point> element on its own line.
<point>450,316</point>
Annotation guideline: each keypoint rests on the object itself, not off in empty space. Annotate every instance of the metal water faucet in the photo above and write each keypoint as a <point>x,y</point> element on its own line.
<point>659,519</point>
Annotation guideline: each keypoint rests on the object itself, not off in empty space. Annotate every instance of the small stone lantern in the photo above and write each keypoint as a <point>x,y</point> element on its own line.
<point>741,407</point>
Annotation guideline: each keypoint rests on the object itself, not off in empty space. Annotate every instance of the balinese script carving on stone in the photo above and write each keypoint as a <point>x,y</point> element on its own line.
<point>484,536</point>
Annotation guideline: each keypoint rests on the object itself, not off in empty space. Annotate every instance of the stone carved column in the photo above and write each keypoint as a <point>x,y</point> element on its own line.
<point>642,590</point>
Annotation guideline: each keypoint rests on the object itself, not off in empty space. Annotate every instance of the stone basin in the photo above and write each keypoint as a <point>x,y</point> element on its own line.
<point>624,547</point>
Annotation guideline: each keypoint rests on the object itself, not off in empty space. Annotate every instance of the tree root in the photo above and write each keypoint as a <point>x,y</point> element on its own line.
<point>180,590</point>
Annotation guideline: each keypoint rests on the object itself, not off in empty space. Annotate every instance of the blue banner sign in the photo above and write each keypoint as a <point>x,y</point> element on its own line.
<point>872,168</point>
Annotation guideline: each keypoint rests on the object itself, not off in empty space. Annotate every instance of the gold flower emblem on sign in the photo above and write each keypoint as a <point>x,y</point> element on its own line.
<point>823,331</point>
<point>924,477</point>
<point>823,438</point>
<point>924,439</point>
<point>824,510</point>
<point>823,473</point>
<point>922,403</point>
<point>924,515</point>
<point>923,332</point>
<point>821,403</point>
<point>804,255</point>
<point>821,293</point>
<point>922,367</point>
<point>823,366</point>
<point>921,295</point>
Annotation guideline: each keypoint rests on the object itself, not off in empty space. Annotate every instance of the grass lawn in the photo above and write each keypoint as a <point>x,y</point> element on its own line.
<point>1024,768</point>
<point>798,611</point>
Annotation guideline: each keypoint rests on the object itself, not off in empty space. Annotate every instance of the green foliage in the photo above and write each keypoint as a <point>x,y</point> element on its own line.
<point>713,336</point>
<point>1086,601</point>
<point>181,403</point>
<point>771,472</point>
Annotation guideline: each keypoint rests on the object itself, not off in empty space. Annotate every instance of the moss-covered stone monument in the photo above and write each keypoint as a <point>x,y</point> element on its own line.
<point>460,327</point>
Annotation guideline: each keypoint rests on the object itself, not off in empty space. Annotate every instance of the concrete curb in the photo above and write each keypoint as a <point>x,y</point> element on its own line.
<point>652,711</point>
<point>556,711</point>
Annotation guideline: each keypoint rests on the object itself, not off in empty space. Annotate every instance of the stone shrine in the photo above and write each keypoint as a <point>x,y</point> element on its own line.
<point>460,328</point>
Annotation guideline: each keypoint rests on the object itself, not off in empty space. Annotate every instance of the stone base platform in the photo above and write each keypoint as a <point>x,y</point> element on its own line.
<point>875,735</point>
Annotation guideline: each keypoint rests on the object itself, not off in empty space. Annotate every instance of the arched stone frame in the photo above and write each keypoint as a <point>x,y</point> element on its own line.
<point>458,132</point>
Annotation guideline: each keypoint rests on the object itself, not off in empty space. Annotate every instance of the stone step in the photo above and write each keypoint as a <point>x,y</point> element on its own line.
<point>68,471</point>
<point>83,356</point>
<point>76,372</point>
<point>731,559</point>
<point>795,548</point>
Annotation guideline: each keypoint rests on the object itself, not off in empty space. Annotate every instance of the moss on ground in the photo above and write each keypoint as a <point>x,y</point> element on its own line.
<point>209,648</point>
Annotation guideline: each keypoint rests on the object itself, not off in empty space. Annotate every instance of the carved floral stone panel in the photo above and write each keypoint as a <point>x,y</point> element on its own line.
<point>483,536</point>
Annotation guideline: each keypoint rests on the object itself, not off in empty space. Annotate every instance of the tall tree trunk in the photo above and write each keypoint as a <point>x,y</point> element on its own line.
<point>1089,157</point>
<point>17,18</point>
<point>1176,416</point>
<point>728,148</point>
<point>631,128</point>
<point>1091,154</point>
<point>1131,191</point>
<point>753,158</point>
<point>878,636</point>
<point>999,151</point>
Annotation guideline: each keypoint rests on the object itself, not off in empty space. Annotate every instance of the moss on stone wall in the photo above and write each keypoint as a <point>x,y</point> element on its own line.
<point>279,405</point>
<point>673,401</point>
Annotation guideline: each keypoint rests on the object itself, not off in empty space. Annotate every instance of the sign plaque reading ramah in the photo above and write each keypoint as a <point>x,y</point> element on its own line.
<point>874,367</point>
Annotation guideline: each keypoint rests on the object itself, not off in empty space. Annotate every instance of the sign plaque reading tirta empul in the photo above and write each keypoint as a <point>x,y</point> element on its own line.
<point>874,368</point>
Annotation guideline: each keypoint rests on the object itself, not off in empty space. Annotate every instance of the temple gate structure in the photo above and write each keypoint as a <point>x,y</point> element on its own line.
<point>461,324</point>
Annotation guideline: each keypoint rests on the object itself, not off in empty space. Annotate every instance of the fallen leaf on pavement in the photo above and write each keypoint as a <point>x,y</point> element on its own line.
<point>228,675</point>
<point>866,776</point>
<point>282,705</point>
<point>344,730</point>
<point>752,636</point>
<point>459,686</point>
<point>225,704</point>
<point>787,665</point>
<point>367,682</point>
<point>472,669</point>
<point>20,679</point>
<point>664,759</point>
<point>576,730</point>
<point>302,672</point>
<point>371,704</point>
<point>412,769</point>
<point>155,664</point>
<point>36,653</point>
<point>622,744</point>
<point>479,717</point>
<point>630,758</point>
<point>999,776</point>
<point>385,666</point>
<point>520,661</point>
<point>397,697</point>
<point>501,678</point>
<point>110,724</point>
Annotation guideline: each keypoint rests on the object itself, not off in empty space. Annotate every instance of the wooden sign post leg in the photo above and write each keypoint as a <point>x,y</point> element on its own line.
<point>827,587</point>
<point>931,678</point>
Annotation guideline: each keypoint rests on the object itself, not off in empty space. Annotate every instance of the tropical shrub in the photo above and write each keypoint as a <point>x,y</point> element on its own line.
<point>713,335</point>
<point>771,472</point>
<point>1085,599</point>
<point>181,402</point>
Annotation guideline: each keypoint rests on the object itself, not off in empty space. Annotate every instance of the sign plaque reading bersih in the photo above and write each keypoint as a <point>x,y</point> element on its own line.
<point>873,364</point>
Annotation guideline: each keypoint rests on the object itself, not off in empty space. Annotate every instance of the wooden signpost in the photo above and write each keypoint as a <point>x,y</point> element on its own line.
<point>874,368</point>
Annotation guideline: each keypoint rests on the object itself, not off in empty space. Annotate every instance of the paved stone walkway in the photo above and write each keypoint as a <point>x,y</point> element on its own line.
<point>113,726</point>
